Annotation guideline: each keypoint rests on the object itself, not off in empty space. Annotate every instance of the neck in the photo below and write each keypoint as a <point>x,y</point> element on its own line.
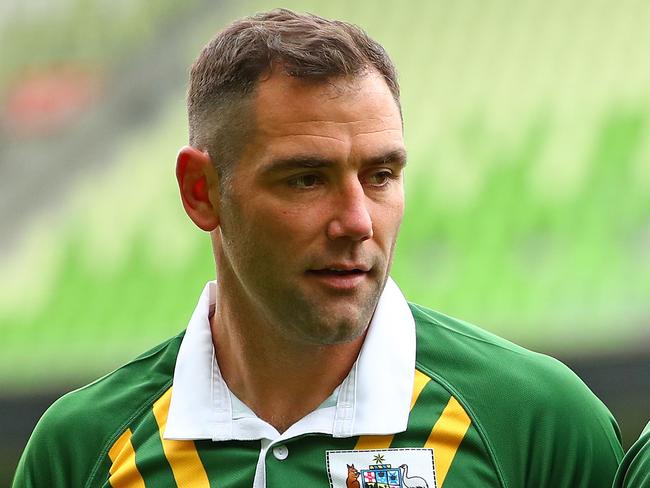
<point>280,379</point>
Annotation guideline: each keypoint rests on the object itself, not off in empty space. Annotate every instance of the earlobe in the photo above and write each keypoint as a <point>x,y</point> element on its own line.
<point>193,168</point>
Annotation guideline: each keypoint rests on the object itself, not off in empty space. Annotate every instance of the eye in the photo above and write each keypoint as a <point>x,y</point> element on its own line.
<point>304,182</point>
<point>380,178</point>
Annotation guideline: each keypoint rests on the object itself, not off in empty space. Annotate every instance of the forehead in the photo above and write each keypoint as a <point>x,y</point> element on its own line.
<point>342,115</point>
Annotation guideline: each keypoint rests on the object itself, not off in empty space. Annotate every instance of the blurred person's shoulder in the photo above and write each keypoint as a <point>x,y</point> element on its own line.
<point>531,410</point>
<point>72,439</point>
<point>634,471</point>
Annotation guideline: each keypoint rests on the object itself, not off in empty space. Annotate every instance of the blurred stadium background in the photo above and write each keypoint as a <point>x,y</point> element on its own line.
<point>528,182</point>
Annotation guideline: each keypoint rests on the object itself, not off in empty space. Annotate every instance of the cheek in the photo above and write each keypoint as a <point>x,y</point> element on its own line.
<point>296,219</point>
<point>284,230</point>
<point>387,219</point>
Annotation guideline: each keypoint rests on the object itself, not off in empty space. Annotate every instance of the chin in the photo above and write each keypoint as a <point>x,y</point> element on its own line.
<point>340,332</point>
<point>342,320</point>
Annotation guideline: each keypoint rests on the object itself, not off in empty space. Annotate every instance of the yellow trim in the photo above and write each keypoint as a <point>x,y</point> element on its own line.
<point>446,436</point>
<point>124,472</point>
<point>182,456</point>
<point>419,382</point>
<point>366,442</point>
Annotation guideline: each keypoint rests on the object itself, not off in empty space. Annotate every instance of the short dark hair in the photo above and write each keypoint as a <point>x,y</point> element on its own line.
<point>229,67</point>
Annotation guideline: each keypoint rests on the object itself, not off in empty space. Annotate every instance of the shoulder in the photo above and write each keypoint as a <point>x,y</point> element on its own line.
<point>634,471</point>
<point>80,426</point>
<point>461,353</point>
<point>531,410</point>
<point>115,397</point>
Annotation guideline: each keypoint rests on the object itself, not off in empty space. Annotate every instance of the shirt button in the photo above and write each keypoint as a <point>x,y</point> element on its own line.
<point>280,452</point>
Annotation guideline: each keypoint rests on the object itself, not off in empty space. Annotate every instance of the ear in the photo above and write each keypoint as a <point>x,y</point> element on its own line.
<point>195,174</point>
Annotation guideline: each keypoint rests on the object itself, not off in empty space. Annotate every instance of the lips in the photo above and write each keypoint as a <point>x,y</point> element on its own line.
<point>340,276</point>
<point>342,267</point>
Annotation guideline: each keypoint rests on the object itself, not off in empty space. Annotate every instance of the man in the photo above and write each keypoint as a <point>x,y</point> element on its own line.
<point>634,471</point>
<point>303,364</point>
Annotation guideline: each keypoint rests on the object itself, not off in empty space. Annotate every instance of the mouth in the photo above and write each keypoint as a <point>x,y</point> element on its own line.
<point>337,271</point>
<point>340,277</point>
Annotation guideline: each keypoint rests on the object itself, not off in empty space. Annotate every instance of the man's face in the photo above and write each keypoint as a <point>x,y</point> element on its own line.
<point>309,220</point>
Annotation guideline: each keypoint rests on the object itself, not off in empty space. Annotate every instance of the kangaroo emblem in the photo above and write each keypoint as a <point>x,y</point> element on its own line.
<point>352,481</point>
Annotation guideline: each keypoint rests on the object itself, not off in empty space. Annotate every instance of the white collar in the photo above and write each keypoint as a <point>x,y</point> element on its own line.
<point>201,405</point>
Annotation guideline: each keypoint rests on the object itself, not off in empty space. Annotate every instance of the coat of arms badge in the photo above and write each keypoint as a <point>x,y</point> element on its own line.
<point>382,468</point>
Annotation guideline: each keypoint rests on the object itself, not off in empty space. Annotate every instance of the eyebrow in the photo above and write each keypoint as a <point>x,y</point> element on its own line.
<point>396,157</point>
<point>313,161</point>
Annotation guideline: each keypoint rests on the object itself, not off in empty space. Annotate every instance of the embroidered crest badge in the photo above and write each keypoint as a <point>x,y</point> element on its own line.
<point>382,468</point>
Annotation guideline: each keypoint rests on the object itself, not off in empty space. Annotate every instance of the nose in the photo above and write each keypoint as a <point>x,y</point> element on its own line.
<point>350,216</point>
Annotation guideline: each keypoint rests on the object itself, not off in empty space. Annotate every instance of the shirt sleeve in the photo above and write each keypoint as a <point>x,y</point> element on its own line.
<point>60,452</point>
<point>41,463</point>
<point>553,431</point>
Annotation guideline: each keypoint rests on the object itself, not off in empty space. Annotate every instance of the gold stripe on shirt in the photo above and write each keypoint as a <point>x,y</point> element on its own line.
<point>446,436</point>
<point>124,472</point>
<point>182,456</point>
<point>366,442</point>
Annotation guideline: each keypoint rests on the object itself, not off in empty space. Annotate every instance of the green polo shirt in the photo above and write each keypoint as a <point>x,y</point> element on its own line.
<point>483,413</point>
